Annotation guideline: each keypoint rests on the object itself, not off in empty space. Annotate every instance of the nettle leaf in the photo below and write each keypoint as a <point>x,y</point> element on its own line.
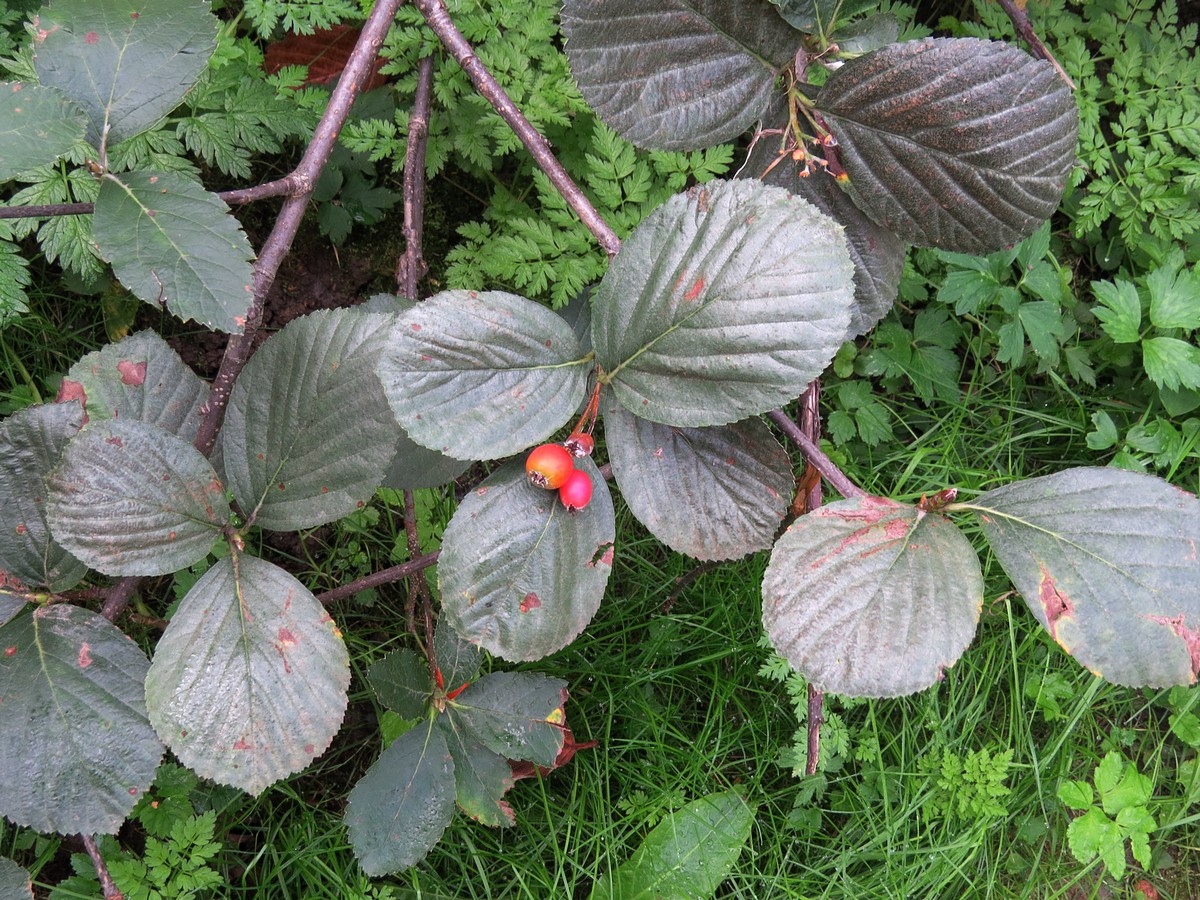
<point>126,62</point>
<point>516,714</point>
<point>78,750</point>
<point>308,433</point>
<point>401,682</point>
<point>14,880</point>
<point>688,854</point>
<point>712,493</point>
<point>456,659</point>
<point>872,598</point>
<point>955,143</point>
<point>37,126</point>
<point>399,809</point>
<point>139,378</point>
<point>174,244</point>
<point>520,575</point>
<point>1106,560</point>
<point>128,498</point>
<point>677,74</point>
<point>481,777</point>
<point>482,375</point>
<point>31,442</point>
<point>724,303</point>
<point>248,683</point>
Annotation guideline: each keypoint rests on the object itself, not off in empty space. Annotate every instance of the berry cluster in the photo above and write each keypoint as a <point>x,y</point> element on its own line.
<point>552,467</point>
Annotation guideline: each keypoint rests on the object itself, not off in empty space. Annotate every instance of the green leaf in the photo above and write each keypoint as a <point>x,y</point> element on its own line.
<point>140,378</point>
<point>1171,363</point>
<point>516,714</point>
<point>687,855</point>
<point>822,16</point>
<point>724,303</point>
<point>14,278</point>
<point>308,433</point>
<point>126,62</point>
<point>677,74</point>
<point>1174,296</point>
<point>399,809</point>
<point>481,776</point>
<point>712,493</point>
<point>401,682</point>
<point>1076,794</point>
<point>128,498</point>
<point>1106,561</point>
<point>1105,434</point>
<point>520,575</point>
<point>1120,785</point>
<point>456,659</point>
<point>1043,326</point>
<point>1095,834</point>
<point>77,747</point>
<point>872,598</point>
<point>174,244</point>
<point>37,126</point>
<point>482,375</point>
<point>31,442</point>
<point>1120,312</point>
<point>414,467</point>
<point>248,683</point>
<point>955,143</point>
<point>15,882</point>
<point>1186,727</point>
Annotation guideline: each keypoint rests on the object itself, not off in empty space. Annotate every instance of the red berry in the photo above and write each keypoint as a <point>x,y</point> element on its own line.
<point>580,444</point>
<point>576,493</point>
<point>548,466</point>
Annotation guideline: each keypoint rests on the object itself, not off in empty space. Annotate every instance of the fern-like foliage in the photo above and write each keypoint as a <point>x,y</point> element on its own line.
<point>968,788</point>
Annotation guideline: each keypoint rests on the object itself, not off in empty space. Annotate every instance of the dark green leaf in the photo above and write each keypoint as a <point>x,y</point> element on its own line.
<point>248,683</point>
<point>401,682</point>
<point>457,660</point>
<point>677,74</point>
<point>482,375</point>
<point>15,883</point>
<point>1120,312</point>
<point>1106,560</point>
<point>415,467</point>
<point>872,598</point>
<point>821,16</point>
<point>1174,296</point>
<point>128,498</point>
<point>712,493</point>
<point>516,714</point>
<point>31,442</point>
<point>955,143</point>
<point>126,62</point>
<point>1171,363</point>
<point>76,745</point>
<point>520,575</point>
<point>309,432</point>
<point>399,809</point>
<point>867,34</point>
<point>37,126</point>
<point>481,776</point>
<point>724,303</point>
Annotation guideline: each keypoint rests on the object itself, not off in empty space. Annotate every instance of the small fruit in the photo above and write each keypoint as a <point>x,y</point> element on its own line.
<point>549,466</point>
<point>576,493</point>
<point>580,444</point>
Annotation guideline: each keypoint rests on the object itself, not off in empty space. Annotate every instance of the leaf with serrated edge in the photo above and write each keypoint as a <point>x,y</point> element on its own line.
<point>399,809</point>
<point>309,432</point>
<point>14,881</point>
<point>872,598</point>
<point>37,125</point>
<point>520,575</point>
<point>414,467</point>
<point>712,493</point>
<point>126,62</point>
<point>954,143</point>
<point>142,378</point>
<point>482,375</point>
<point>76,746</point>
<point>128,498</point>
<point>31,442</point>
<point>174,244</point>
<point>1106,560</point>
<point>677,74</point>
<point>456,659</point>
<point>481,776</point>
<point>401,682</point>
<point>248,683</point>
<point>516,714</point>
<point>725,302</point>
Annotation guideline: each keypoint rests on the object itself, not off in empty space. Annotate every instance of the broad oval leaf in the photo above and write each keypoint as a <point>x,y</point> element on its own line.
<point>174,244</point>
<point>954,143</point>
<point>520,575</point>
<point>76,749</point>
<point>399,809</point>
<point>414,467</point>
<point>482,375</point>
<point>724,303</point>
<point>481,776</point>
<point>37,126</point>
<point>516,714</point>
<point>126,62</point>
<point>401,682</point>
<point>1106,560</point>
<point>128,498</point>
<point>15,882</point>
<point>677,74</point>
<point>140,378</point>
<point>872,598</point>
<point>248,683</point>
<point>308,432</point>
<point>712,493</point>
<point>31,442</point>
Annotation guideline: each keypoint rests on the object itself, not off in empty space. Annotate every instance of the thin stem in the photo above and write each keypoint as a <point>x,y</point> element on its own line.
<point>411,267</point>
<point>384,576</point>
<point>279,188</point>
<point>822,463</point>
<point>438,20</point>
<point>810,427</point>
<point>107,887</point>
<point>1024,28</point>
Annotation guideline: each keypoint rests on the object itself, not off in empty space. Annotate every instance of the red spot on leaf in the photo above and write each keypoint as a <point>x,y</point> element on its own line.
<point>154,179</point>
<point>21,529</point>
<point>1189,636</point>
<point>134,15</point>
<point>72,390</point>
<point>115,441</point>
<point>171,536</point>
<point>240,744</point>
<point>531,601</point>
<point>133,792</point>
<point>286,637</point>
<point>310,749</point>
<point>10,651</point>
<point>261,456</point>
<point>695,290</point>
<point>85,656</point>
<point>324,490</point>
<point>1055,603</point>
<point>281,486</point>
<point>359,505</point>
<point>91,38</point>
<point>414,326</point>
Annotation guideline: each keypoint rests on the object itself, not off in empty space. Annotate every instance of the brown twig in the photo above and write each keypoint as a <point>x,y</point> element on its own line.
<point>438,20</point>
<point>684,580</point>
<point>1024,28</point>
<point>384,576</point>
<point>107,887</point>
<point>810,427</point>
<point>411,267</point>
<point>278,188</point>
<point>822,463</point>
